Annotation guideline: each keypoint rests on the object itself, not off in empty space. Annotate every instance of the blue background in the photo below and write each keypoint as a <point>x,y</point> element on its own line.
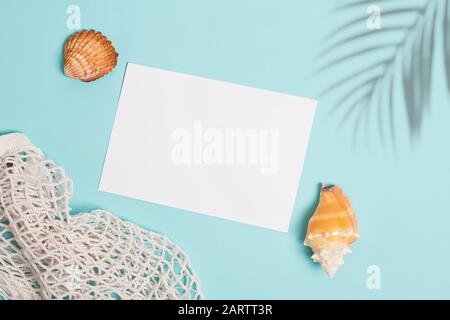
<point>400,191</point>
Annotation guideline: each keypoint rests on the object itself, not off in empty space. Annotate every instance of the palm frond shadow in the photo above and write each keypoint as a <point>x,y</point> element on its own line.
<point>408,65</point>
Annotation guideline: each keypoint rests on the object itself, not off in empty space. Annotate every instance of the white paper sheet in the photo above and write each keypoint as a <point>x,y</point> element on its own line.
<point>208,146</point>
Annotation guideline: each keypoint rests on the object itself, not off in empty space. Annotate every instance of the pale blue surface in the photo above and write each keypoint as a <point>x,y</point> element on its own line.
<point>401,197</point>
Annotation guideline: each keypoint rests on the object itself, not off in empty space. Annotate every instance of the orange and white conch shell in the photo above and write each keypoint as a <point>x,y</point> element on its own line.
<point>332,229</point>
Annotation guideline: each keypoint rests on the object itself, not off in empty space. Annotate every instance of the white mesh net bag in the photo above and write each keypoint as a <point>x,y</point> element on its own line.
<point>45,253</point>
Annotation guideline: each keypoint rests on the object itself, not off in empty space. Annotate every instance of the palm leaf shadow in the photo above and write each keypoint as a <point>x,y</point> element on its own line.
<point>408,65</point>
<point>447,41</point>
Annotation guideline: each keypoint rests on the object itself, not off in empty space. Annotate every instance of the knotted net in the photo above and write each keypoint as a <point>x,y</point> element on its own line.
<point>46,253</point>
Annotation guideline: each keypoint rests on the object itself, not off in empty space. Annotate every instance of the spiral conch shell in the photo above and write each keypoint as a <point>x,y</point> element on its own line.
<point>332,229</point>
<point>88,56</point>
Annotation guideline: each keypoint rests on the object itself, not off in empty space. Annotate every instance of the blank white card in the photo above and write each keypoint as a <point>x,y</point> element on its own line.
<point>208,146</point>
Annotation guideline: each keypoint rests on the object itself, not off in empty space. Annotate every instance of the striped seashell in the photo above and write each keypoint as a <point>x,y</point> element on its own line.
<point>88,56</point>
<point>332,229</point>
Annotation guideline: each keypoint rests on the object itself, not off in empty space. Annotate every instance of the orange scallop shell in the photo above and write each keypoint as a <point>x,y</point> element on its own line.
<point>88,56</point>
<point>334,220</point>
